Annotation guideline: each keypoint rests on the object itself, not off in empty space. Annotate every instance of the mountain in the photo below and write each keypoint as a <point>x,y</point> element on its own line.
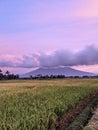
<point>67,71</point>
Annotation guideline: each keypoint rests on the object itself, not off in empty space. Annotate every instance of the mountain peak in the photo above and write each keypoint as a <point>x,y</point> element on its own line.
<point>67,71</point>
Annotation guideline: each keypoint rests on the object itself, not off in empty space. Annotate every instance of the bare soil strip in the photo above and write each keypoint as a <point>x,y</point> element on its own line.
<point>68,118</point>
<point>93,123</point>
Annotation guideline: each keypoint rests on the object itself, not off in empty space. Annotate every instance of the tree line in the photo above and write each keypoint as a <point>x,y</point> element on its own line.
<point>8,75</point>
<point>40,76</point>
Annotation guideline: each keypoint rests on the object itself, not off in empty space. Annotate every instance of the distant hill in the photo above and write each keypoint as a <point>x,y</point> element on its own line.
<point>67,71</point>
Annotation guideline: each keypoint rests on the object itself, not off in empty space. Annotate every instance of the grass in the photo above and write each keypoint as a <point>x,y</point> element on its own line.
<point>93,122</point>
<point>82,119</point>
<point>38,104</point>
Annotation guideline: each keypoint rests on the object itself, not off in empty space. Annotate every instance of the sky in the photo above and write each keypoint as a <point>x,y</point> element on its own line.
<point>48,33</point>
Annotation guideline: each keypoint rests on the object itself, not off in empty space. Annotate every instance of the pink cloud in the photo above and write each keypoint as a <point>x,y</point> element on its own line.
<point>9,60</point>
<point>18,61</point>
<point>86,56</point>
<point>84,59</point>
<point>88,68</point>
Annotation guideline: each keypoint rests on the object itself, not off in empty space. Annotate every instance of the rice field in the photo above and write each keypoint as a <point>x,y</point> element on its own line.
<point>38,104</point>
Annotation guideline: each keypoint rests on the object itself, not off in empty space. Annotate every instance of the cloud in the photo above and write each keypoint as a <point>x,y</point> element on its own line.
<point>29,61</point>
<point>25,61</point>
<point>57,58</point>
<point>87,68</point>
<point>86,56</point>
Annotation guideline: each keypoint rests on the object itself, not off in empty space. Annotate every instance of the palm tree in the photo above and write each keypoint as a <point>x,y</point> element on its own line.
<point>0,71</point>
<point>1,75</point>
<point>7,72</point>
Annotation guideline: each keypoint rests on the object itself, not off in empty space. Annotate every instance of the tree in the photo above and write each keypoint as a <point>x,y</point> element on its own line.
<point>0,71</point>
<point>1,75</point>
<point>7,72</point>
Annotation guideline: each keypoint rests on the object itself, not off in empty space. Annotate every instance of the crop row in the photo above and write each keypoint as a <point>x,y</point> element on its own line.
<point>39,108</point>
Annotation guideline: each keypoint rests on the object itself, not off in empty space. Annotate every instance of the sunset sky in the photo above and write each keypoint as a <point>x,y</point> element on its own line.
<point>48,33</point>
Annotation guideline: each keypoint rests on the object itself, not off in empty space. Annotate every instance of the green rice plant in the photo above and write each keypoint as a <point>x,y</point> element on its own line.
<point>25,107</point>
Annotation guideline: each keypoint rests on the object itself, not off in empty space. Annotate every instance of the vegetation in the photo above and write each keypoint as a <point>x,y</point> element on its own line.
<point>38,104</point>
<point>83,118</point>
<point>8,76</point>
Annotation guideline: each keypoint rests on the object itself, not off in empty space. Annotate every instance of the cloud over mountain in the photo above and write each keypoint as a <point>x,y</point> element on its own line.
<point>86,56</point>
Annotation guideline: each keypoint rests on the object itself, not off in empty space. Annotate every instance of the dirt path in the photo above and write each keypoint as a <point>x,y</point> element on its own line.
<point>93,123</point>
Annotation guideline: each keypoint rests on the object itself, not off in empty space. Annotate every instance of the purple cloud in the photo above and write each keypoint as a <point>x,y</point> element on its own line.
<point>86,56</point>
